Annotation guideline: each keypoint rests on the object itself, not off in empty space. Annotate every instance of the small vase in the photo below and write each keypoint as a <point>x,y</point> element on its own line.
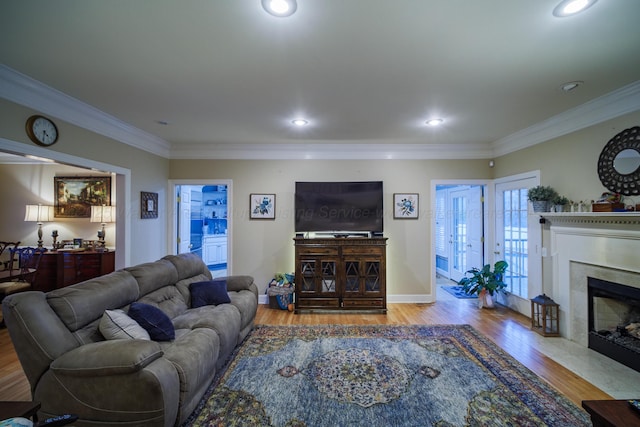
<point>485,300</point>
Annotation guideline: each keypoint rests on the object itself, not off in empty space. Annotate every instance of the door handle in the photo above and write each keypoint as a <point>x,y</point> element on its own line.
<point>496,252</point>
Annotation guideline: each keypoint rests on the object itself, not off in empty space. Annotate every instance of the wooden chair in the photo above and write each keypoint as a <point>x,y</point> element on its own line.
<point>23,267</point>
<point>4,260</point>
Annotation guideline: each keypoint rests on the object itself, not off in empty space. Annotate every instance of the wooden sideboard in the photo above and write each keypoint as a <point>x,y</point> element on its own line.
<point>611,413</point>
<point>60,269</point>
<point>340,274</point>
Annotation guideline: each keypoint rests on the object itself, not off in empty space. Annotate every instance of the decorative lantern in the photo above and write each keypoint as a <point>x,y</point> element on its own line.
<point>545,316</point>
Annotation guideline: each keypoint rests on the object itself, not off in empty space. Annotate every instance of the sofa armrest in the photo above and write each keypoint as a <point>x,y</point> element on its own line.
<point>114,357</point>
<point>237,283</point>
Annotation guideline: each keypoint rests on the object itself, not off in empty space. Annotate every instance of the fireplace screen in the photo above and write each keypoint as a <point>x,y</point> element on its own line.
<point>614,321</point>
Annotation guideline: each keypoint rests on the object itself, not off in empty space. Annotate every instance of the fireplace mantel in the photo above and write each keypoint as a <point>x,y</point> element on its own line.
<point>593,219</point>
<point>604,245</point>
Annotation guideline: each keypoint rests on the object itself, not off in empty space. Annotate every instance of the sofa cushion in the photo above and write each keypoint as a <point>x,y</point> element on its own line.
<point>194,354</point>
<point>115,357</point>
<point>168,299</point>
<point>83,303</point>
<point>238,282</point>
<point>116,324</point>
<point>225,319</point>
<point>210,292</point>
<point>188,265</point>
<point>247,304</point>
<point>153,320</point>
<point>153,275</point>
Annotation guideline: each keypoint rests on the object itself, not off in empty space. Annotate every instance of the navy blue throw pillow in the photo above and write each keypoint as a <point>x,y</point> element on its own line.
<point>153,320</point>
<point>211,292</point>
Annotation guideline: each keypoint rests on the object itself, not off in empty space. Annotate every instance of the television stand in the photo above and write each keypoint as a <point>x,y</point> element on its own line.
<point>340,274</point>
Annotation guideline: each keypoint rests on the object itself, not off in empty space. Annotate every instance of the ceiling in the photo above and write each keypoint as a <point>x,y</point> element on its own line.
<point>224,72</point>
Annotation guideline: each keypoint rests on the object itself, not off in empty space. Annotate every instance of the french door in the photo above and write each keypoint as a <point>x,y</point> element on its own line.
<point>518,239</point>
<point>459,230</point>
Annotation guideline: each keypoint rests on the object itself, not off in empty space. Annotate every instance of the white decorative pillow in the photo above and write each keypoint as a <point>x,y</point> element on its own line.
<point>116,324</point>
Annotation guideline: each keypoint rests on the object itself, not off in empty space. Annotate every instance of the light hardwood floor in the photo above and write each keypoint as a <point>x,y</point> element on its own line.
<point>507,329</point>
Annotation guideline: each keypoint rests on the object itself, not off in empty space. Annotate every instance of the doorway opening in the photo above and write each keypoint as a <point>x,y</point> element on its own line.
<point>120,197</point>
<point>460,227</point>
<point>203,224</point>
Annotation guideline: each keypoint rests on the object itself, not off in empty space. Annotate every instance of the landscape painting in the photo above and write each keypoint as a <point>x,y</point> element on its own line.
<point>75,195</point>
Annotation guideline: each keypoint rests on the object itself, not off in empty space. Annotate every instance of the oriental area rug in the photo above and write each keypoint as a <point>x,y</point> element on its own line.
<point>422,375</point>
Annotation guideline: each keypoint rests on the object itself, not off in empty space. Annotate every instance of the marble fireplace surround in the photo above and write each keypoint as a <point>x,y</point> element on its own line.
<point>601,245</point>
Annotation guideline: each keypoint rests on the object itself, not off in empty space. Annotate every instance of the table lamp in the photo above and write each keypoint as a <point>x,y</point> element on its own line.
<point>39,214</point>
<point>103,214</point>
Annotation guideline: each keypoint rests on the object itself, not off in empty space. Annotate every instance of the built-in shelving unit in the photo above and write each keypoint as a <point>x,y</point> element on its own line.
<point>214,201</point>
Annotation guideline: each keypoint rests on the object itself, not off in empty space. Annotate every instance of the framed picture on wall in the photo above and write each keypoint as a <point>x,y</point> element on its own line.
<point>148,205</point>
<point>76,194</point>
<point>262,206</point>
<point>405,205</point>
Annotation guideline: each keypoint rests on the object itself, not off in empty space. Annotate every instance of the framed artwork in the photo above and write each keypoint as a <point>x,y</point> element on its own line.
<point>262,206</point>
<point>405,205</point>
<point>148,205</point>
<point>76,194</point>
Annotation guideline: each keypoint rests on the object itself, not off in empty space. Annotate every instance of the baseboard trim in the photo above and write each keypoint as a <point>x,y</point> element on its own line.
<point>396,299</point>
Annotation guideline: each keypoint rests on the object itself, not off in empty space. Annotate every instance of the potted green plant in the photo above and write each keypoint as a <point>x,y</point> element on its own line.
<point>540,196</point>
<point>559,202</point>
<point>485,282</point>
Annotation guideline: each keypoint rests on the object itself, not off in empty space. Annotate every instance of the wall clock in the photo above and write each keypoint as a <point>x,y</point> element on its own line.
<point>41,130</point>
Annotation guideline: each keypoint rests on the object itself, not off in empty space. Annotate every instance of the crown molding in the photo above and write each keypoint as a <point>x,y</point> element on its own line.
<point>24,90</point>
<point>333,151</point>
<point>614,104</point>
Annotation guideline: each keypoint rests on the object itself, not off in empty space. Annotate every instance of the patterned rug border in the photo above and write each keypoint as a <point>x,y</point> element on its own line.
<point>538,395</point>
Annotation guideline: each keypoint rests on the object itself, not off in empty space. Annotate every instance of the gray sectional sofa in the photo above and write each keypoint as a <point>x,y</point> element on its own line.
<point>73,368</point>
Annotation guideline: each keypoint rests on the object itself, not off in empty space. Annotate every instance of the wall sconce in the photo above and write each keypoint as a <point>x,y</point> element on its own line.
<point>39,214</point>
<point>103,214</point>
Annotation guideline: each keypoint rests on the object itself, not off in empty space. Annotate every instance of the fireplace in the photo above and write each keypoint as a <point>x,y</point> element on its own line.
<point>614,321</point>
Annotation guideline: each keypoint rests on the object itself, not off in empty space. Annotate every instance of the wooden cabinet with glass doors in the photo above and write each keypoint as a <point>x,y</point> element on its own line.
<point>340,274</point>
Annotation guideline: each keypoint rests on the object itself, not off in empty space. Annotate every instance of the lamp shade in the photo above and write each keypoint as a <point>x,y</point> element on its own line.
<point>103,214</point>
<point>39,213</point>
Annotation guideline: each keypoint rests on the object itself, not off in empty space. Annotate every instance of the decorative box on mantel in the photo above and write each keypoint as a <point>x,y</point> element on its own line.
<point>607,207</point>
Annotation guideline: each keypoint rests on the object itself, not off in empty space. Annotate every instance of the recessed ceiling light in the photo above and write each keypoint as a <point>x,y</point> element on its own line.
<point>569,86</point>
<point>280,8</point>
<point>300,122</point>
<point>571,7</point>
<point>434,122</point>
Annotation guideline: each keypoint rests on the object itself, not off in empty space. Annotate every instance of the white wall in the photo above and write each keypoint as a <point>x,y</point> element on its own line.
<point>262,248</point>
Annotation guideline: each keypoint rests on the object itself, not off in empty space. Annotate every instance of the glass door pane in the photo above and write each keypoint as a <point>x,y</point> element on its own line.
<point>515,240</point>
<point>459,236</point>
<point>518,240</point>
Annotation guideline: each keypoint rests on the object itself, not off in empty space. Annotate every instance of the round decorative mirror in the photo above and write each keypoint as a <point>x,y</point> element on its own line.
<point>619,163</point>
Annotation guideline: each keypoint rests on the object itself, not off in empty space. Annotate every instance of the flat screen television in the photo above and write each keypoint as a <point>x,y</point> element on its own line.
<point>339,207</point>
